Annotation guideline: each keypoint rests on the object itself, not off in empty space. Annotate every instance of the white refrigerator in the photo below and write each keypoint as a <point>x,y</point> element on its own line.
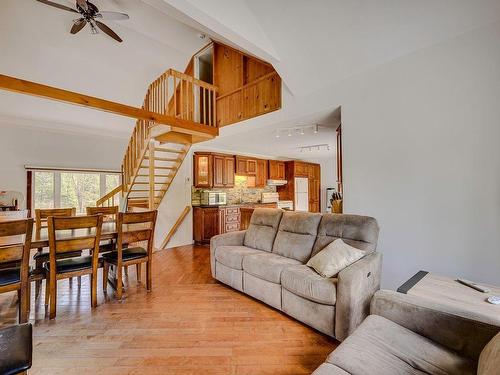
<point>301,194</point>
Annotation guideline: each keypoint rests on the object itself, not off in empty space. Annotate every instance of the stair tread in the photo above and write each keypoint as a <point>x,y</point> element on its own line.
<point>172,150</point>
<point>163,159</point>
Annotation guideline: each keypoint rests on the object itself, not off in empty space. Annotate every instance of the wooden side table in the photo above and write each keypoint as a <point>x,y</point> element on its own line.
<point>448,291</point>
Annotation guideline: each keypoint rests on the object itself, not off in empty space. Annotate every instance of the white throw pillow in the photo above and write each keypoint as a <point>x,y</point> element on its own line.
<point>334,258</point>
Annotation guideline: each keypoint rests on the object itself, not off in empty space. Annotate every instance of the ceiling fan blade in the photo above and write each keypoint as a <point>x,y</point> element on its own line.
<point>82,4</point>
<point>56,5</point>
<point>78,25</point>
<point>108,31</point>
<point>112,16</point>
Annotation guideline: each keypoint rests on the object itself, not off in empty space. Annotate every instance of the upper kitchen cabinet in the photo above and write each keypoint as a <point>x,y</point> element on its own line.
<point>203,170</point>
<point>213,170</point>
<point>261,176</point>
<point>246,166</point>
<point>277,170</point>
<point>247,87</point>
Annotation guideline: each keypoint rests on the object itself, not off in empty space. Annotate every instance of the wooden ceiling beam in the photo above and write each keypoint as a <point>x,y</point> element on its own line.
<point>53,93</point>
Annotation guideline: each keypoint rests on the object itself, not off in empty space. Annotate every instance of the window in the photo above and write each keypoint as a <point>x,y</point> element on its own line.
<point>80,189</point>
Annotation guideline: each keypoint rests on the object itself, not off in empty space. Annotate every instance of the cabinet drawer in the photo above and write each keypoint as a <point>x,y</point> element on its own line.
<point>232,211</point>
<point>231,227</point>
<point>232,218</point>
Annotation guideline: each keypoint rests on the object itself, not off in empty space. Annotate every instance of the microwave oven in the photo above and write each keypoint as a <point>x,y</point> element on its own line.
<point>213,198</point>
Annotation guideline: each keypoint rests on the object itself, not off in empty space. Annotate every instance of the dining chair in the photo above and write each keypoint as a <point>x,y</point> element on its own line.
<point>16,251</point>
<point>42,256</point>
<point>132,227</point>
<point>62,243</point>
<point>109,213</point>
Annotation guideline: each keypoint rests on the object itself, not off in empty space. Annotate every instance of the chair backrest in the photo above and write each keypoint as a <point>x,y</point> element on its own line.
<point>15,243</point>
<point>136,227</point>
<point>109,213</point>
<point>41,215</point>
<point>69,234</point>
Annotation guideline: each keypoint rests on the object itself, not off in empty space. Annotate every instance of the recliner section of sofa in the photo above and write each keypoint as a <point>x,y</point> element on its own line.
<point>411,335</point>
<point>267,262</point>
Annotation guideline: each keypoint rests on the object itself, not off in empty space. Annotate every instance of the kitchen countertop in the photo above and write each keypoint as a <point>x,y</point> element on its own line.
<point>235,205</point>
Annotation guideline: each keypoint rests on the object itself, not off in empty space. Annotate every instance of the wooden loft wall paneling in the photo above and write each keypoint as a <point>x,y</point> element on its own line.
<point>247,86</point>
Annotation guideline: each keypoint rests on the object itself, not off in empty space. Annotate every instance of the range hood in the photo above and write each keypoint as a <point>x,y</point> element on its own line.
<point>276,182</point>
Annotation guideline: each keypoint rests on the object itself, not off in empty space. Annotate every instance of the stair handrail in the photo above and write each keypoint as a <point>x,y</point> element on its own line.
<point>108,199</point>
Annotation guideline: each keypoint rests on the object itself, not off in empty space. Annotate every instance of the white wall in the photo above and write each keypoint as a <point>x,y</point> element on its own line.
<point>20,146</point>
<point>176,199</point>
<point>421,154</point>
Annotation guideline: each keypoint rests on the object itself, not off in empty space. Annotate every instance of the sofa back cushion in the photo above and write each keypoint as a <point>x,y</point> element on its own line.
<point>296,235</point>
<point>262,229</point>
<point>360,232</point>
<point>489,360</point>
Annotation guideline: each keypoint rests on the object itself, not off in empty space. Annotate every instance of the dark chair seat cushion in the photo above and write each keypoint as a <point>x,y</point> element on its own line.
<point>16,348</point>
<point>71,264</point>
<point>10,276</point>
<point>44,255</point>
<point>127,254</point>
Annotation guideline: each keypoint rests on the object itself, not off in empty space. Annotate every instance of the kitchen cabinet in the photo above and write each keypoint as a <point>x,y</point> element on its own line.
<point>298,169</point>
<point>211,221</point>
<point>276,170</point>
<point>202,169</point>
<point>205,223</point>
<point>261,176</point>
<point>223,171</point>
<point>213,170</point>
<point>246,166</point>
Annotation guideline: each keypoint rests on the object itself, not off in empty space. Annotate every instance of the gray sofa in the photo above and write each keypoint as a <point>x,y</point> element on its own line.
<point>410,335</point>
<point>267,262</point>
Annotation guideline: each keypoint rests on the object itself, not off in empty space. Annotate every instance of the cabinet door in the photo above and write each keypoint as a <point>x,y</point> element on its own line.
<point>219,171</point>
<point>301,169</point>
<point>202,170</point>
<point>261,177</point>
<point>210,223</point>
<point>228,177</point>
<point>251,166</point>
<point>280,170</point>
<point>241,166</point>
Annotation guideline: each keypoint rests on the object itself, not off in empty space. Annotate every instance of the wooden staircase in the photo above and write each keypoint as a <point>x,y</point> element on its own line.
<point>156,151</point>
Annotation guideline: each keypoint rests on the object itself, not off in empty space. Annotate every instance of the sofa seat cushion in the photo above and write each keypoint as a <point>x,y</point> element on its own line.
<point>306,283</point>
<point>381,347</point>
<point>232,256</point>
<point>267,266</point>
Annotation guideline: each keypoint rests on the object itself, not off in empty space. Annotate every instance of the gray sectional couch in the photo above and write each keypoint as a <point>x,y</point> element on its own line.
<point>268,262</point>
<point>407,335</point>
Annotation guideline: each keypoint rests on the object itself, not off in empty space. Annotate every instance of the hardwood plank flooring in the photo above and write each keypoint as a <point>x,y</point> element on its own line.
<point>188,324</point>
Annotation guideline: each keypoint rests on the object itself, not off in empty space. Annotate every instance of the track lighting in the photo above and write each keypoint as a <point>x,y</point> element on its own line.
<point>318,148</point>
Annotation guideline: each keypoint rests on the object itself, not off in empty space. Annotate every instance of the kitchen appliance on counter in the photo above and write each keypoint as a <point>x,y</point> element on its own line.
<point>213,198</point>
<point>286,205</point>
<point>276,182</point>
<point>270,197</point>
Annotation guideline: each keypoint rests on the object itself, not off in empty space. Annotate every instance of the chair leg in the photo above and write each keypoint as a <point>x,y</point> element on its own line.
<point>47,290</point>
<point>93,289</point>
<point>119,282</point>
<point>79,281</point>
<point>138,272</point>
<point>53,298</point>
<point>105,273</point>
<point>126,271</point>
<point>149,281</point>
<point>23,306</point>
<point>38,283</point>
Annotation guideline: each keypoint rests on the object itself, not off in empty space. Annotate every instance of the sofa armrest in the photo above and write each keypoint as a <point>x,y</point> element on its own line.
<point>453,328</point>
<point>355,288</point>
<point>226,239</point>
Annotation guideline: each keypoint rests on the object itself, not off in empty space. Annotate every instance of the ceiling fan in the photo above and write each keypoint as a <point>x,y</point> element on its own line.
<point>89,14</point>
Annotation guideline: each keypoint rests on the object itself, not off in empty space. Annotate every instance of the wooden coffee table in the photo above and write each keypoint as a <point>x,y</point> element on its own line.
<point>448,291</point>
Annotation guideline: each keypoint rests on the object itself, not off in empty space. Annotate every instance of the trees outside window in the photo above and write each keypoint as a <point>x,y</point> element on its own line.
<point>55,189</point>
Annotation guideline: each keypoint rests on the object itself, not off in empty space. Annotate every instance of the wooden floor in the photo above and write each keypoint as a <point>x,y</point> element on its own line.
<point>188,324</point>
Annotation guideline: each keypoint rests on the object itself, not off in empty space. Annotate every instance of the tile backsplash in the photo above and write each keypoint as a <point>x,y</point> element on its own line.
<point>241,193</point>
